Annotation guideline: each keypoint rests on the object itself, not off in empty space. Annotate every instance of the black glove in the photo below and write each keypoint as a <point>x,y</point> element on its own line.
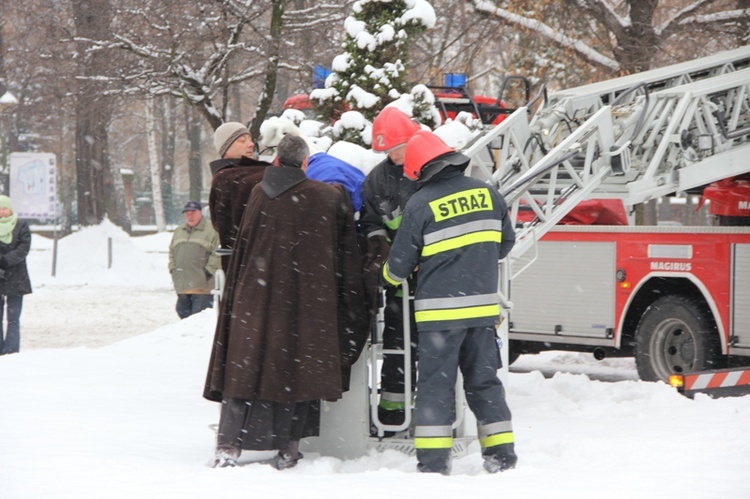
<point>377,251</point>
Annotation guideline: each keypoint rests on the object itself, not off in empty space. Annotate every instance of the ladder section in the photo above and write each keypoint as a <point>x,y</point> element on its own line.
<point>581,101</point>
<point>550,182</point>
<point>646,144</point>
<point>677,139</point>
<point>672,140</point>
<point>693,135</point>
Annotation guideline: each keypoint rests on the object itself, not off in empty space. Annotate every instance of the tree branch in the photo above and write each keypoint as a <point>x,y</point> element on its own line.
<point>546,31</point>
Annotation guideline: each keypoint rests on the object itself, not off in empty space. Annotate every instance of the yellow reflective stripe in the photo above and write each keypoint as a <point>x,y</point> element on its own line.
<point>497,439</point>
<point>454,314</point>
<point>485,236</point>
<point>392,406</point>
<point>394,224</point>
<point>461,203</point>
<point>434,443</point>
<point>387,276</point>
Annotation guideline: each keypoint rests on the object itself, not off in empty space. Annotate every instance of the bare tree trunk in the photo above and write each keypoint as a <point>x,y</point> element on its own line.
<point>92,18</point>
<point>272,67</point>
<point>195,160</point>
<point>4,152</point>
<point>66,184</point>
<point>636,44</point>
<point>91,147</point>
<point>3,78</point>
<point>153,158</point>
<point>115,205</point>
<point>168,156</point>
<point>743,26</point>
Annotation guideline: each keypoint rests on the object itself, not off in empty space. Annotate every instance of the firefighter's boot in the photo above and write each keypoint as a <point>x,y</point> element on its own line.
<point>434,461</point>
<point>499,458</point>
<point>392,417</point>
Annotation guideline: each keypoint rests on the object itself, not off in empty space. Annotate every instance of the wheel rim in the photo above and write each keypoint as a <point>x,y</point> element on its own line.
<point>673,347</point>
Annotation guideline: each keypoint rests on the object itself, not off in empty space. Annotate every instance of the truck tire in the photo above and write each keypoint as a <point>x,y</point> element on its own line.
<point>674,336</point>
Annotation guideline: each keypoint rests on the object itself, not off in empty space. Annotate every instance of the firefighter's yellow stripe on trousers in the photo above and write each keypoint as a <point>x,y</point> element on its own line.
<point>485,236</point>
<point>456,314</point>
<point>433,443</point>
<point>497,439</point>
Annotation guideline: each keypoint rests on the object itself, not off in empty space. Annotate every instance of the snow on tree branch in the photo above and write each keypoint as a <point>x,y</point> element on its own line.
<point>544,30</point>
<point>688,16</point>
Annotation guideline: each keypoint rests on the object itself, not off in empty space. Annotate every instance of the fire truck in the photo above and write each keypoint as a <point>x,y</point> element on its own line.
<point>449,101</point>
<point>676,298</point>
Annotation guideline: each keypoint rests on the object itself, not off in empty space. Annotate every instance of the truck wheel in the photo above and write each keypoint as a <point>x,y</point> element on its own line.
<point>675,336</point>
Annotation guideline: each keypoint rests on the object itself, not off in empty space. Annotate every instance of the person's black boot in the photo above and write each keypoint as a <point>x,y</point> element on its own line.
<point>500,459</point>
<point>394,417</point>
<point>434,461</point>
<point>287,458</point>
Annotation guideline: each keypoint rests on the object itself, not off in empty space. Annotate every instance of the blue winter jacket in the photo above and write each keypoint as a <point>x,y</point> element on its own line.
<point>326,168</point>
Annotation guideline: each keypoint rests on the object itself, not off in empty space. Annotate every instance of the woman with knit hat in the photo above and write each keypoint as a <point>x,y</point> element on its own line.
<point>15,242</point>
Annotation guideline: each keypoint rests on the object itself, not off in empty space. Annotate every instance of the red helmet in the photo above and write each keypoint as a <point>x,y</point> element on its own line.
<point>422,148</point>
<point>392,128</point>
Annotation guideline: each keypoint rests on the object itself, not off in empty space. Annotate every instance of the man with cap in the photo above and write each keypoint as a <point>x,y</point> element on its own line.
<point>456,229</point>
<point>234,176</point>
<point>193,261</point>
<point>385,192</point>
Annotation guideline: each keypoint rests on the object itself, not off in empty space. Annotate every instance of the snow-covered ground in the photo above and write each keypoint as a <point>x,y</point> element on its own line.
<point>104,401</point>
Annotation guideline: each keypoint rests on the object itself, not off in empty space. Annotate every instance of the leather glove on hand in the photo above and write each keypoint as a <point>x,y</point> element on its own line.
<point>377,251</point>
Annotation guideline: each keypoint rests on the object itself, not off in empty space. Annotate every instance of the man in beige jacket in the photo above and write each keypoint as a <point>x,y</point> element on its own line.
<point>193,261</point>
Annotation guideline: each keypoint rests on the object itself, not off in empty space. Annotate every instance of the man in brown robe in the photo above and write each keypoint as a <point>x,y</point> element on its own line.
<point>294,317</point>
<point>234,176</point>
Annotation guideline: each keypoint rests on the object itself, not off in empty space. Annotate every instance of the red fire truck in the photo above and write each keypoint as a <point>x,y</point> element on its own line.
<point>676,298</point>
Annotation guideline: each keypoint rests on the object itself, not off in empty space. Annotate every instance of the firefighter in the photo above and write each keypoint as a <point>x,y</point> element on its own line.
<point>455,229</point>
<point>385,192</point>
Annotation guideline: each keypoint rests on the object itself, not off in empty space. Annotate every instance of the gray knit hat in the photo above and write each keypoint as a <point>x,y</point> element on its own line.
<point>226,134</point>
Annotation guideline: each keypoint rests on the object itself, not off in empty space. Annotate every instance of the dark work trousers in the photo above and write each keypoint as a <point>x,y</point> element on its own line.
<point>264,425</point>
<point>189,304</point>
<point>441,354</point>
<point>392,371</point>
<point>11,306</point>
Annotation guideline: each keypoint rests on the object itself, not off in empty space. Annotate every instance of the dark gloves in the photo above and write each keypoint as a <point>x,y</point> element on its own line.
<point>377,253</point>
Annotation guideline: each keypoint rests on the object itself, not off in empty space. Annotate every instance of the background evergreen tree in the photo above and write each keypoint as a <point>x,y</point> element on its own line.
<point>372,71</point>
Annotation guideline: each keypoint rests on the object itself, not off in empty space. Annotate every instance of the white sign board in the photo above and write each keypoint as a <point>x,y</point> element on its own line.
<point>33,184</point>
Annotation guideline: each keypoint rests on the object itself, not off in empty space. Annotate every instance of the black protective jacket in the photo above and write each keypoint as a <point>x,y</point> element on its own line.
<point>386,191</point>
<point>456,229</point>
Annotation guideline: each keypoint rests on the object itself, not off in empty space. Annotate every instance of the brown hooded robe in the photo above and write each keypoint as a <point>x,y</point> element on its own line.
<point>294,320</point>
